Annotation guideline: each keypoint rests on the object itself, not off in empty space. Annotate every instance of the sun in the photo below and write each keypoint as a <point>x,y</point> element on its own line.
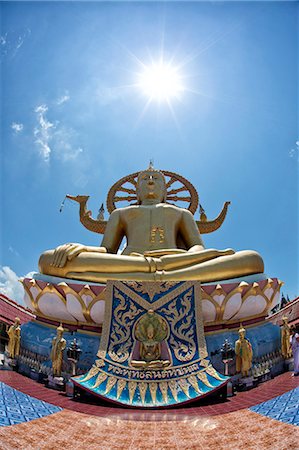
<point>161,81</point>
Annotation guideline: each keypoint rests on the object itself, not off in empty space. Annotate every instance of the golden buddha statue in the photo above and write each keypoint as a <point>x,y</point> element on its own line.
<point>58,347</point>
<point>243,351</point>
<point>150,332</point>
<point>286,349</point>
<point>163,243</point>
<point>14,334</point>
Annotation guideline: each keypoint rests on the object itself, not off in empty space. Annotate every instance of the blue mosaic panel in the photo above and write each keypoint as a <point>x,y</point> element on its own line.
<point>284,407</point>
<point>118,374</point>
<point>16,407</point>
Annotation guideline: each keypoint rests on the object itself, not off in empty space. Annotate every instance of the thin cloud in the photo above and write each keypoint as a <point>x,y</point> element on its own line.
<point>55,139</point>
<point>13,251</point>
<point>64,144</point>
<point>3,39</point>
<point>294,152</point>
<point>10,285</point>
<point>12,41</point>
<point>17,127</point>
<point>43,132</point>
<point>63,99</point>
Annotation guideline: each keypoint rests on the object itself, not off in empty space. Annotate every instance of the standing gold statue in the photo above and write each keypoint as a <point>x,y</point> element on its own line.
<point>150,332</point>
<point>58,346</point>
<point>285,331</point>
<point>243,351</point>
<point>14,334</point>
<point>163,243</point>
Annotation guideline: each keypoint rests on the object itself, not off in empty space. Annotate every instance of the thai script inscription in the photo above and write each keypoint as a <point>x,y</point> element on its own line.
<point>153,374</point>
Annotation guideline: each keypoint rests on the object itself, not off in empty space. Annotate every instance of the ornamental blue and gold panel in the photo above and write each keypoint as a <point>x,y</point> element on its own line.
<point>152,351</point>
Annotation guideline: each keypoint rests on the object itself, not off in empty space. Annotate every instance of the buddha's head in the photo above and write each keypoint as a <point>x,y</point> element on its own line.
<point>150,331</point>
<point>151,186</point>
<point>242,333</point>
<point>59,331</point>
<point>285,320</point>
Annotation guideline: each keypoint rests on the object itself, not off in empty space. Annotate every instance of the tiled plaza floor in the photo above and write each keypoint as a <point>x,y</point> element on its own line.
<point>284,408</point>
<point>17,407</point>
<point>226,425</point>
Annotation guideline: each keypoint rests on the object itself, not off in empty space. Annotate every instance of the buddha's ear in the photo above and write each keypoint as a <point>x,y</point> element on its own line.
<point>138,198</point>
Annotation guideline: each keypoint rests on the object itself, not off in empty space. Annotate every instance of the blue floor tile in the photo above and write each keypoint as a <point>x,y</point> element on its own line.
<point>16,407</point>
<point>284,408</point>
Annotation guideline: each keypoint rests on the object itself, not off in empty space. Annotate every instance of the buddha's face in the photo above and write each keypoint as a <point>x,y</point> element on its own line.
<point>150,332</point>
<point>151,186</point>
<point>242,335</point>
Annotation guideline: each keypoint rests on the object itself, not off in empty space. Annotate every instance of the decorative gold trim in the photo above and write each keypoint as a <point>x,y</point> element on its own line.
<point>100,379</point>
<point>84,291</point>
<point>173,386</point>
<point>211,371</point>
<point>204,379</point>
<point>142,389</point>
<point>92,372</point>
<point>121,384</point>
<point>163,388</point>
<point>153,391</point>
<point>184,385</point>
<point>110,383</point>
<point>193,381</point>
<point>132,388</point>
<point>34,284</point>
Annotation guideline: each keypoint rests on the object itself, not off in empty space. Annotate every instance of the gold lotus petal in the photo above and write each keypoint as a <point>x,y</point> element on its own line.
<point>184,385</point>
<point>101,377</point>
<point>110,383</point>
<point>163,388</point>
<point>132,389</point>
<point>153,390</point>
<point>142,389</point>
<point>121,384</point>
<point>174,389</point>
<point>243,284</point>
<point>194,383</point>
<point>203,377</point>
<point>211,371</point>
<point>99,363</point>
<point>93,371</point>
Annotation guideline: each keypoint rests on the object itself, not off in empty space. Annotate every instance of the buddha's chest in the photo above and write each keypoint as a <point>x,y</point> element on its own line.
<point>158,223</point>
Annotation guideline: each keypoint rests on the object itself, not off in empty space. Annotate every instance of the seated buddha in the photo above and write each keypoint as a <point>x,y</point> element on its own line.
<point>163,244</point>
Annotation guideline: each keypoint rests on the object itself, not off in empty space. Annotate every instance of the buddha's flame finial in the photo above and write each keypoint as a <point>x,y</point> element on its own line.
<point>151,165</point>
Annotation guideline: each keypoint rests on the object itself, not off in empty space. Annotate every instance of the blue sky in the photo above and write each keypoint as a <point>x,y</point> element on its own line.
<point>73,120</point>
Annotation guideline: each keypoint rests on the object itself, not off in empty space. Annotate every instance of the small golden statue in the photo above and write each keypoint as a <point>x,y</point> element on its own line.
<point>150,332</point>
<point>14,334</point>
<point>286,349</point>
<point>58,346</point>
<point>243,351</point>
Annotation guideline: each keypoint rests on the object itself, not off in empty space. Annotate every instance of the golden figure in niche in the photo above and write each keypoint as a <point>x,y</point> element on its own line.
<point>14,334</point>
<point>285,331</point>
<point>163,243</point>
<point>150,332</point>
<point>58,347</point>
<point>243,351</point>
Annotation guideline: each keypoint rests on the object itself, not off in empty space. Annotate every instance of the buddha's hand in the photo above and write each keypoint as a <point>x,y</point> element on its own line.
<point>67,252</point>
